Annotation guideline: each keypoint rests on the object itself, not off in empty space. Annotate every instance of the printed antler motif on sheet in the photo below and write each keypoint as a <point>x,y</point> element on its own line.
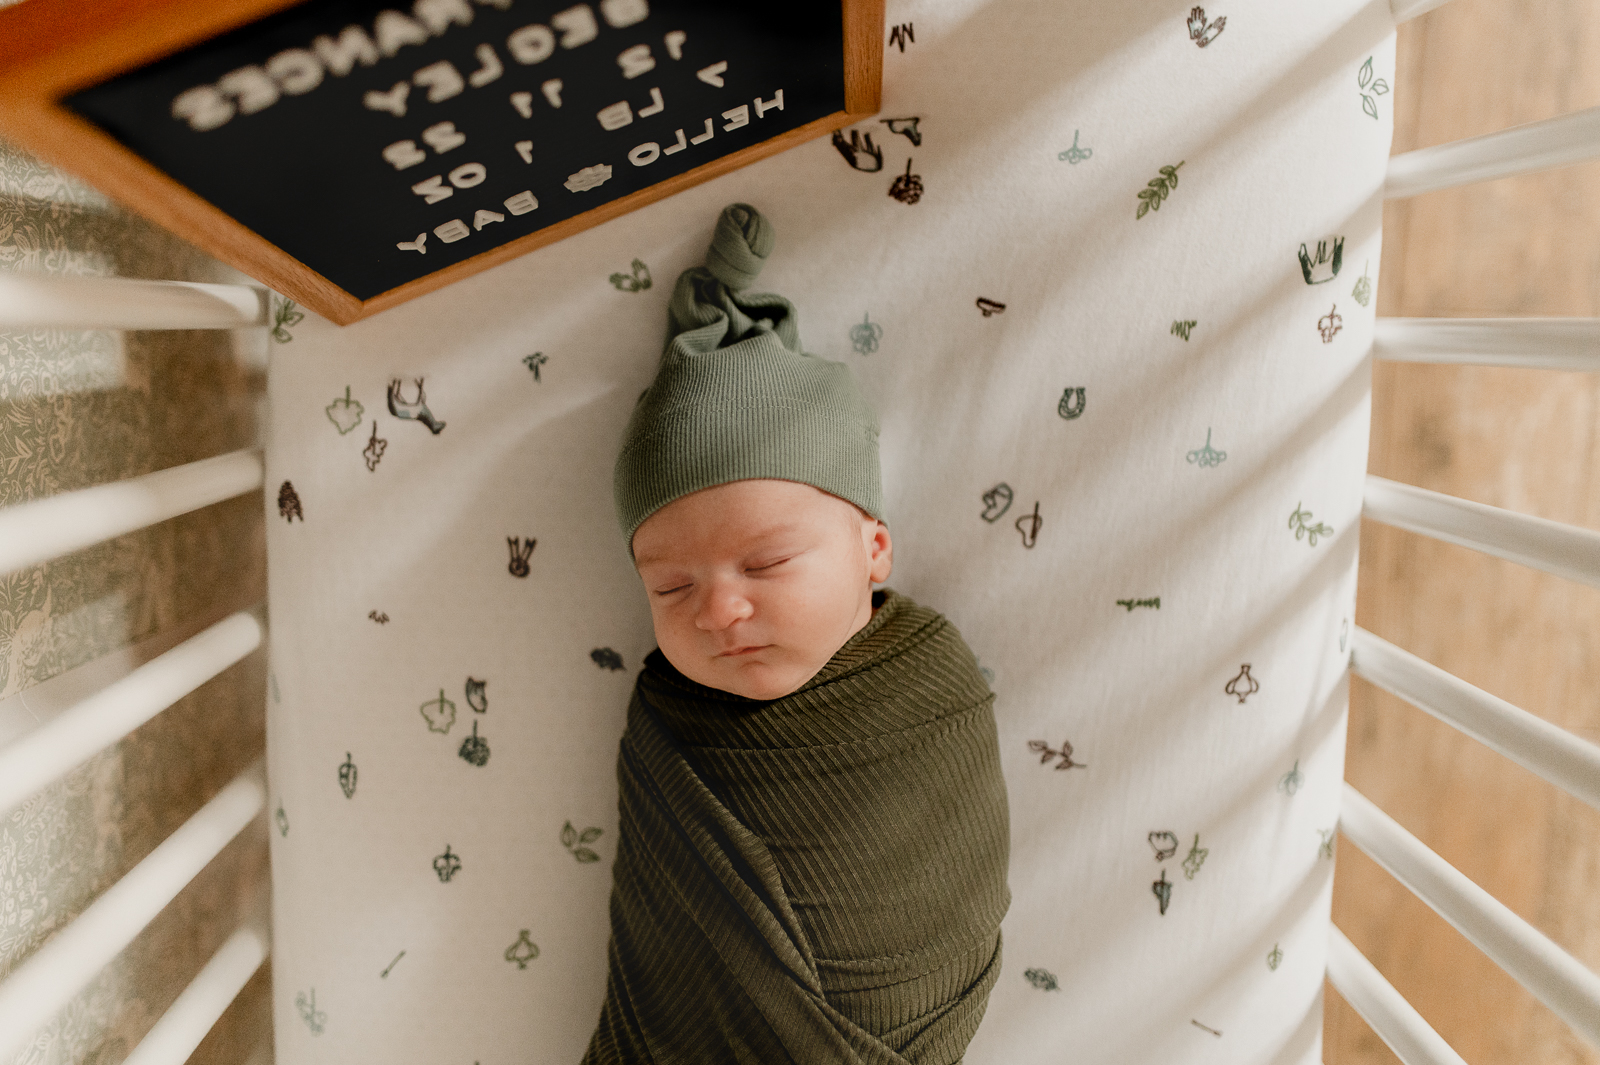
<point>413,410</point>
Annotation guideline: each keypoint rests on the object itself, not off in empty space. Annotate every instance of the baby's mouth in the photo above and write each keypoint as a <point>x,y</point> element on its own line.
<point>738,651</point>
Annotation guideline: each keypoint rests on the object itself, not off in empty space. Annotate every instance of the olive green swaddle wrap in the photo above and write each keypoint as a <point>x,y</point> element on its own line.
<point>819,879</point>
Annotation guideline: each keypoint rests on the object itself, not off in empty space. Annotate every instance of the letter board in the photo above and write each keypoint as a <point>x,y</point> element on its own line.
<point>355,153</point>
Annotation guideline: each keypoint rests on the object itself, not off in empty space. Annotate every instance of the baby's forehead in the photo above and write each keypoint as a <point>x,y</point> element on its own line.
<point>743,517</point>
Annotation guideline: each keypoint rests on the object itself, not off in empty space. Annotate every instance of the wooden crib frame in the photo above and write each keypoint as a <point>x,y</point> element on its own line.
<point>87,709</point>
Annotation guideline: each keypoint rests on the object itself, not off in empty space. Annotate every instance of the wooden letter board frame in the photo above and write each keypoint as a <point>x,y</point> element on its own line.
<point>50,49</point>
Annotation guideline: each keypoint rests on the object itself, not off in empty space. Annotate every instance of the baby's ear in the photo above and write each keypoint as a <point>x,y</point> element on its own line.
<point>880,551</point>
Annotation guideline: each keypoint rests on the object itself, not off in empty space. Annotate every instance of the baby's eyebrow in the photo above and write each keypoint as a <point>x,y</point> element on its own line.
<point>760,540</point>
<point>645,559</point>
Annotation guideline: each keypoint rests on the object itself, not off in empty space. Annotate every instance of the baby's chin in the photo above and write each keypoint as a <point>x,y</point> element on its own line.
<point>757,678</point>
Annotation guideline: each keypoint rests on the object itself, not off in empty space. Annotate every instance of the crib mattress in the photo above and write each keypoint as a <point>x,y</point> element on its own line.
<point>1107,272</point>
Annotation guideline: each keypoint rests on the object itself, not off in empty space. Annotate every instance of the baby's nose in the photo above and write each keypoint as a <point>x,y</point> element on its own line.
<point>722,607</point>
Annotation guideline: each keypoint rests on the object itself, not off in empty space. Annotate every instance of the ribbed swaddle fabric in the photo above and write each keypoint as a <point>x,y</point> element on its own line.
<point>815,879</point>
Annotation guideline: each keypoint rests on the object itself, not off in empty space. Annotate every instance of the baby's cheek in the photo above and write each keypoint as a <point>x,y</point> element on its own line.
<point>677,651</point>
<point>669,627</point>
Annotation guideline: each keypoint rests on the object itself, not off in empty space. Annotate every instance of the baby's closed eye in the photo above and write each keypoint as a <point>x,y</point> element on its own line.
<point>663,576</point>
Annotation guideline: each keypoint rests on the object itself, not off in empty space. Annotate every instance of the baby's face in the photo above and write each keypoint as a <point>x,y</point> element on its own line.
<point>754,585</point>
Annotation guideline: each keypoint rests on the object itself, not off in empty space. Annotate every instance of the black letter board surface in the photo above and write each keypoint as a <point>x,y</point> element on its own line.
<point>379,144</point>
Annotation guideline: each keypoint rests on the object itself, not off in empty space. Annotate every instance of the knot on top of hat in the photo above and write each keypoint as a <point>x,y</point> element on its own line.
<point>711,307</point>
<point>739,246</point>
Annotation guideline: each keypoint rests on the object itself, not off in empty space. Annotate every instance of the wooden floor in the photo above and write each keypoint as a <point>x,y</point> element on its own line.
<point>1525,440</point>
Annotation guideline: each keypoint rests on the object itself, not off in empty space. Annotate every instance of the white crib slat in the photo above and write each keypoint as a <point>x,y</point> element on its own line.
<point>1406,10</point>
<point>30,301</point>
<point>1397,1023</point>
<point>43,529</point>
<point>40,986</point>
<point>1565,550</point>
<point>1529,343</point>
<point>197,1009</point>
<point>1525,149</point>
<point>1555,977</point>
<point>67,740</point>
<point>1570,763</point>
<point>27,708</point>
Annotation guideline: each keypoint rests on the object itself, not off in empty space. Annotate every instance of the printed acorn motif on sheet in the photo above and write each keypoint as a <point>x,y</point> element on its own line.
<point>907,188</point>
<point>474,749</point>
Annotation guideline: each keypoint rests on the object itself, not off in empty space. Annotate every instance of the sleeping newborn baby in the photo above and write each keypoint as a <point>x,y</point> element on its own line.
<point>813,846</point>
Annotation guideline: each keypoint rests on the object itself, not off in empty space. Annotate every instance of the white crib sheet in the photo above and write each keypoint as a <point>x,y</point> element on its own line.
<point>1123,453</point>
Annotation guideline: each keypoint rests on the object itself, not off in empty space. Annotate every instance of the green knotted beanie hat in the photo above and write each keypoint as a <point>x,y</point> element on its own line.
<point>735,398</point>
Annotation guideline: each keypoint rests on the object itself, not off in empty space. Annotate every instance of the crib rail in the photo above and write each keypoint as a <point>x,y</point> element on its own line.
<point>43,529</point>
<point>1561,982</point>
<point>1564,550</point>
<point>1570,763</point>
<point>203,1002</point>
<point>69,738</point>
<point>40,301</point>
<point>1396,1021</point>
<point>1527,343</point>
<point>67,719</point>
<point>1555,977</point>
<point>1507,153</point>
<point>48,980</point>
<point>34,532</point>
